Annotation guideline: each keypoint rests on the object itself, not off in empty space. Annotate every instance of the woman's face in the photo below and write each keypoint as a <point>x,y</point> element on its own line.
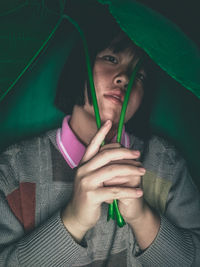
<point>111,75</point>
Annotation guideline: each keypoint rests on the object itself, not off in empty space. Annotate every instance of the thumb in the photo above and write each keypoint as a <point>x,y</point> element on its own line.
<point>96,141</point>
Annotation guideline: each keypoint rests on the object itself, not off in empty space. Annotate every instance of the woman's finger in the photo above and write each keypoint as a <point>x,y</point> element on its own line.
<point>96,178</point>
<point>109,156</point>
<point>96,142</point>
<point>110,146</point>
<point>106,194</point>
<point>128,162</point>
<point>124,181</point>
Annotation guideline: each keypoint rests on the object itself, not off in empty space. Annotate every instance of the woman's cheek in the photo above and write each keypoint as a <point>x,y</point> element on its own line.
<point>134,103</point>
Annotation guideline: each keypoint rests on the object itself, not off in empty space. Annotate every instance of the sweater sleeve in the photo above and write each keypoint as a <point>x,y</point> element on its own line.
<point>49,244</point>
<point>178,240</point>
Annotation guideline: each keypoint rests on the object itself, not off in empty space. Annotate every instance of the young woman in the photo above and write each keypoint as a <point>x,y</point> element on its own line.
<point>55,188</point>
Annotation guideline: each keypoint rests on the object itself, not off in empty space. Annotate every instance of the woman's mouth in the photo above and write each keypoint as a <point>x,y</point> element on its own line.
<point>115,98</point>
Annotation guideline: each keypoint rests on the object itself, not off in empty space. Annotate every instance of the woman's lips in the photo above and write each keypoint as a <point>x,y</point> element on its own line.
<point>114,99</point>
<point>116,96</point>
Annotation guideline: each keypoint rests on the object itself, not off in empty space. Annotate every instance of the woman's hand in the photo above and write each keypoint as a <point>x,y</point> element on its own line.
<point>130,209</point>
<point>98,168</point>
<point>144,221</point>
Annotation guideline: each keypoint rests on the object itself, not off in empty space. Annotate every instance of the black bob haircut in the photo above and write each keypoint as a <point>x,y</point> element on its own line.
<point>101,35</point>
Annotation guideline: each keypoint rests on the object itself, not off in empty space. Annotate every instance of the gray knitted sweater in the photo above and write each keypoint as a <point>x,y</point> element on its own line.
<point>36,182</point>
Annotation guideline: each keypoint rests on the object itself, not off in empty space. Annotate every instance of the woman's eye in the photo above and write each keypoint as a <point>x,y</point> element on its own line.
<point>140,77</point>
<point>112,59</point>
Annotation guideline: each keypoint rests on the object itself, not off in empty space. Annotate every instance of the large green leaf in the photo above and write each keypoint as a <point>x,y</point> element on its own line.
<point>163,41</point>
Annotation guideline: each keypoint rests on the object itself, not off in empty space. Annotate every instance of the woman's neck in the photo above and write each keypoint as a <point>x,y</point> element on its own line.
<point>84,126</point>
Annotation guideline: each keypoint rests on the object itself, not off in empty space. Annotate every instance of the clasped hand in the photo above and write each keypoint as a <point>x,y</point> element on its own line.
<point>105,173</point>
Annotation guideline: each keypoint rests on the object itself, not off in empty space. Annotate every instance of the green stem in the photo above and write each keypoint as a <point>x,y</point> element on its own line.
<point>111,209</point>
<point>126,98</point>
<point>89,69</point>
<point>31,61</point>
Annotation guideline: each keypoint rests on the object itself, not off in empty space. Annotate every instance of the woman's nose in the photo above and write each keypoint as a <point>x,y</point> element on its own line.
<point>121,81</point>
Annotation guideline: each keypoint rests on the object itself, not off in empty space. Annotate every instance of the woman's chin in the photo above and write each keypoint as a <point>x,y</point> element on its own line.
<point>110,116</point>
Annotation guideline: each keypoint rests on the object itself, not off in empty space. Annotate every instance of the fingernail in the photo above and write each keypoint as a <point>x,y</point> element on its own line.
<point>142,170</point>
<point>139,191</point>
<point>136,152</point>
<point>107,122</point>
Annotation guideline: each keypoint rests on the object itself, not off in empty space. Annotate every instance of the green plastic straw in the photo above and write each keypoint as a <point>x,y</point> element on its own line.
<point>113,211</point>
